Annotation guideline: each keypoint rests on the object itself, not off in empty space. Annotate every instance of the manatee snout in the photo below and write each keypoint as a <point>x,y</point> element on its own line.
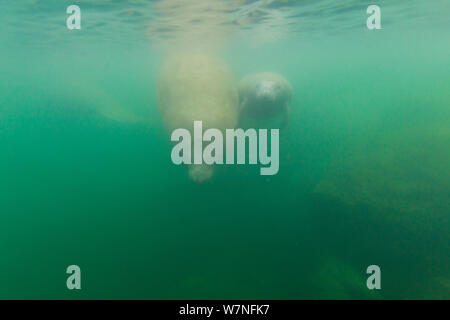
<point>264,95</point>
<point>267,90</point>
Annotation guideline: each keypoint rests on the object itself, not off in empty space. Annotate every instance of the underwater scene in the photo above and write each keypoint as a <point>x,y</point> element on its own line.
<point>345,166</point>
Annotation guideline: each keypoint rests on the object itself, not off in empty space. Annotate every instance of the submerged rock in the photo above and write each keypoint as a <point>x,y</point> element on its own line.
<point>337,279</point>
<point>405,171</point>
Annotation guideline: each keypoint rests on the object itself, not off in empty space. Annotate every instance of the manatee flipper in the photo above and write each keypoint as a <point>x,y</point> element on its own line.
<point>242,104</point>
<point>286,116</point>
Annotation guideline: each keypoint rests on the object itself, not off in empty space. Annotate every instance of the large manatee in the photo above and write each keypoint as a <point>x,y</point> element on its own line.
<point>264,95</point>
<point>197,86</point>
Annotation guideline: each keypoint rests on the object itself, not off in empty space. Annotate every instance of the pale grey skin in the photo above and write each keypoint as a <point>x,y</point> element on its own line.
<point>265,95</point>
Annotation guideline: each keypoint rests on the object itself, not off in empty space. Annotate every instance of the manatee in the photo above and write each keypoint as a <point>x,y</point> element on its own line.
<point>264,95</point>
<point>197,86</point>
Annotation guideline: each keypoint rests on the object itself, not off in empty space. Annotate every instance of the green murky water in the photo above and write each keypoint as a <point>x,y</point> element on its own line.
<point>86,176</point>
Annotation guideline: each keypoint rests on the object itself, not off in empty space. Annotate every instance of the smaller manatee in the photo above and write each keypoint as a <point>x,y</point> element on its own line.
<point>264,95</point>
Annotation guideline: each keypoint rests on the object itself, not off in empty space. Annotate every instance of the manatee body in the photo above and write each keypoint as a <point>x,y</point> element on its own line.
<point>264,95</point>
<point>196,86</point>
